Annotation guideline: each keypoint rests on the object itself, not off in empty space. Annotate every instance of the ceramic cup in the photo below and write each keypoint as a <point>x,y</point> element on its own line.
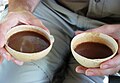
<point>27,57</point>
<point>93,37</point>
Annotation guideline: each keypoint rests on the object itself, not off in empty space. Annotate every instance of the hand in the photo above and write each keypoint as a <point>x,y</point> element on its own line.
<point>111,66</point>
<point>11,20</point>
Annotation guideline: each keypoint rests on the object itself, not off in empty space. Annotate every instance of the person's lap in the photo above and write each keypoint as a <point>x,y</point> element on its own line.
<point>73,77</point>
<point>42,71</point>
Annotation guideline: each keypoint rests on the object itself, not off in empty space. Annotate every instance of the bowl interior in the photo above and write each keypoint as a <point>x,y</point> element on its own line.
<point>94,37</point>
<point>27,28</point>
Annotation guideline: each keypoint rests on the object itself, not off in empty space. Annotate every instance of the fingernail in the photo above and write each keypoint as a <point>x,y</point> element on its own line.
<point>79,71</point>
<point>18,62</point>
<point>90,73</point>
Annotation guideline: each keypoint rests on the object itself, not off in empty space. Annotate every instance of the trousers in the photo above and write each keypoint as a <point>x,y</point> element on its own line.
<point>62,25</point>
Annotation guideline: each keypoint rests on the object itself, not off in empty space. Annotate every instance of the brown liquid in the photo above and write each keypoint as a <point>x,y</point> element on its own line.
<point>28,42</point>
<point>93,50</point>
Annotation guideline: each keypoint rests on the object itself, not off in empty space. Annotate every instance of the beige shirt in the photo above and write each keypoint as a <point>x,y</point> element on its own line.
<point>96,8</point>
<point>77,6</point>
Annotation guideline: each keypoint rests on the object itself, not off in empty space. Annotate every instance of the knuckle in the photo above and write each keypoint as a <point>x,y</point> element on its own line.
<point>113,63</point>
<point>99,72</point>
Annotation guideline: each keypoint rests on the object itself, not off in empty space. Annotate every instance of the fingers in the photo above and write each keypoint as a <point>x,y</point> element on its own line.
<point>101,72</point>
<point>7,23</point>
<point>109,67</point>
<point>80,69</point>
<point>106,29</point>
<point>17,62</point>
<point>97,71</point>
<point>5,54</point>
<point>28,18</point>
<point>37,22</point>
<point>114,62</point>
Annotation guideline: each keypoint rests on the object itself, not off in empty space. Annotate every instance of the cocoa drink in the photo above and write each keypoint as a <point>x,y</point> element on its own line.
<point>93,50</point>
<point>28,42</point>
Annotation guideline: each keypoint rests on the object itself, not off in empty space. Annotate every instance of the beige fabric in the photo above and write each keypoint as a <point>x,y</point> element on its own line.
<point>75,5</point>
<point>104,8</point>
<point>96,8</point>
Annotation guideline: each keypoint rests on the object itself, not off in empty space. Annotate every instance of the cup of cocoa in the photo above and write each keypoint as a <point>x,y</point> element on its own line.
<point>28,43</point>
<point>90,49</point>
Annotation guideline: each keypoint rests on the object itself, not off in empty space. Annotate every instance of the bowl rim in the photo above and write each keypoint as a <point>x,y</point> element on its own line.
<point>51,38</point>
<point>94,60</point>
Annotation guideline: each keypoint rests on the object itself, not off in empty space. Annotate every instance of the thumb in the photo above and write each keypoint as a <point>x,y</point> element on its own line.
<point>7,23</point>
<point>4,27</point>
<point>80,69</point>
<point>37,22</point>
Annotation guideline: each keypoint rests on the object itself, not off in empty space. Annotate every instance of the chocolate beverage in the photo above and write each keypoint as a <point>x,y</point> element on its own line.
<point>28,42</point>
<point>93,50</point>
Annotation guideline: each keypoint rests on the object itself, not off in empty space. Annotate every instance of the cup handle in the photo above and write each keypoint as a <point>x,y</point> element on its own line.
<point>52,38</point>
